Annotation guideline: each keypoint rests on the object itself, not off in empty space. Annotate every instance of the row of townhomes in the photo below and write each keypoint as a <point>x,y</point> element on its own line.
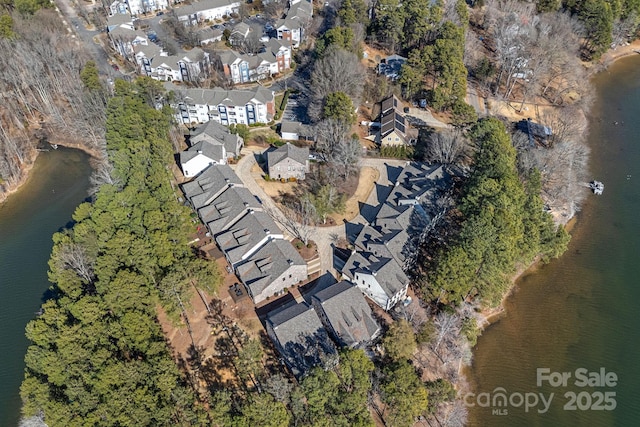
<point>306,333</point>
<point>252,243</point>
<point>273,58</point>
<point>386,246</point>
<point>303,332</point>
<point>227,107</point>
<point>186,66</point>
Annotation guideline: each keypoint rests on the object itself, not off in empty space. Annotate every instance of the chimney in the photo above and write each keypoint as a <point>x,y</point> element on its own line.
<point>375,273</point>
<point>267,231</point>
<point>290,261</point>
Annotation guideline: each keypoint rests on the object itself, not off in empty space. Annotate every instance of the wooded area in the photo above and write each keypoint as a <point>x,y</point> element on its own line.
<point>41,98</point>
<point>98,355</point>
<point>499,223</point>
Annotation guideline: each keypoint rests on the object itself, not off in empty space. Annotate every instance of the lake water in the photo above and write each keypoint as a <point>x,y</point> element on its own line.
<point>580,311</point>
<point>56,186</point>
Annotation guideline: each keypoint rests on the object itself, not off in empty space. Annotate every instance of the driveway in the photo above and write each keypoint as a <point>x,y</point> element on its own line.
<point>323,236</point>
<point>423,117</point>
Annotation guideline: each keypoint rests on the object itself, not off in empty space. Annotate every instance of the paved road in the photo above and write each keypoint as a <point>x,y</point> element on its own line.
<point>476,101</point>
<point>77,29</point>
<point>323,236</point>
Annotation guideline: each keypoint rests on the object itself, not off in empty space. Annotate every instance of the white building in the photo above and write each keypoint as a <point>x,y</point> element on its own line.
<point>226,107</point>
<point>155,63</point>
<point>291,28</point>
<point>206,10</point>
<point>137,7</point>
<point>200,156</point>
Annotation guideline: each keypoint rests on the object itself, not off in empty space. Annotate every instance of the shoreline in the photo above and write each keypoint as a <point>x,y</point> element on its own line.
<point>33,156</point>
<point>493,315</point>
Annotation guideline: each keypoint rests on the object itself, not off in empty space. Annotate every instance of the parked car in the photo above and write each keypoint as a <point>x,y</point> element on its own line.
<point>160,13</point>
<point>115,67</point>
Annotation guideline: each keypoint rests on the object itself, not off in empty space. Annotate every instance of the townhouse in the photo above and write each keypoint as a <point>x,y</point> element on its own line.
<point>292,27</point>
<point>386,245</point>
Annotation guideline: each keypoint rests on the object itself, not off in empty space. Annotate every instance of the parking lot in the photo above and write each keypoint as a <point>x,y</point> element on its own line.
<point>296,109</point>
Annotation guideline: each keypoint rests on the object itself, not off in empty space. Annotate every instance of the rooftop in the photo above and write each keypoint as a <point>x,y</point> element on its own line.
<point>300,155</point>
<point>227,208</point>
<point>241,239</point>
<point>267,264</point>
<point>348,313</point>
<point>209,184</point>
<point>301,338</point>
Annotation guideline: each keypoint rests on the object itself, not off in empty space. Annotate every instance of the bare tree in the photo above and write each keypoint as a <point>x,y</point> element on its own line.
<point>299,218</point>
<point>279,387</point>
<point>275,9</point>
<point>35,421</point>
<point>346,156</point>
<point>625,29</point>
<point>102,174</point>
<point>251,43</point>
<point>337,71</point>
<point>330,133</point>
<point>447,147</point>
<point>73,256</point>
<point>447,330</point>
<point>452,414</point>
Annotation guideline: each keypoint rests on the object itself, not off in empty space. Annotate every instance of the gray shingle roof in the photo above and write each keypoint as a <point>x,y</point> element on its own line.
<point>202,5</point>
<point>211,149</point>
<point>386,271</point>
<point>214,131</point>
<point>245,234</point>
<point>300,155</point>
<point>390,244</point>
<point>210,184</point>
<point>219,96</point>
<point>301,338</point>
<point>267,264</point>
<point>347,312</point>
<point>227,208</point>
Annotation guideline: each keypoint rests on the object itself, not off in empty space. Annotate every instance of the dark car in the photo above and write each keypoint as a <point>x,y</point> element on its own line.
<point>115,67</point>
<point>160,13</point>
